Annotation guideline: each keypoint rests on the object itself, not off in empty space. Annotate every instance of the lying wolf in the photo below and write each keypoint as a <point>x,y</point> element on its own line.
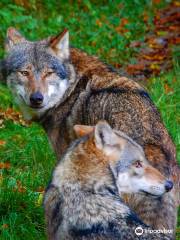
<point>61,86</point>
<point>82,200</point>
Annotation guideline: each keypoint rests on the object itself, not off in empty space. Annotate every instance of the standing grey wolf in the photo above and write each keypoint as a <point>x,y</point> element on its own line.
<point>61,86</point>
<point>82,200</point>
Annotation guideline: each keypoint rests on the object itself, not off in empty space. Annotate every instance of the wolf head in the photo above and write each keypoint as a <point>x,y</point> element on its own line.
<point>131,170</point>
<point>38,73</point>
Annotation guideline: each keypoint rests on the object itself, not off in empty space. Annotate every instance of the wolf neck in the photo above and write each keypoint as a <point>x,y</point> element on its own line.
<point>91,74</point>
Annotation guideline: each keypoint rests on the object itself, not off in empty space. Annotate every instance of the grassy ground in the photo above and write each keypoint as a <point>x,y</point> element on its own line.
<point>25,150</point>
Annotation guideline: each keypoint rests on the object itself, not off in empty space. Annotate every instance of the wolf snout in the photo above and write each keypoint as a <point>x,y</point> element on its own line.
<point>36,99</point>
<point>168,185</point>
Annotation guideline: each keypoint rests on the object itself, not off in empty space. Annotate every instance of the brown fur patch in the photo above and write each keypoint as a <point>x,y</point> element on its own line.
<point>154,154</point>
<point>89,161</point>
<point>152,174</point>
<point>98,72</point>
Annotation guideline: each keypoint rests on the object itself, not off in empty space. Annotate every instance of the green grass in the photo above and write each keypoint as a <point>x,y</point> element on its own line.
<point>168,103</point>
<point>93,27</point>
<point>31,160</point>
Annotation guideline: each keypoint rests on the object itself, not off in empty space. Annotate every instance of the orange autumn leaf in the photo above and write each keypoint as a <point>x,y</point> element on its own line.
<point>20,188</point>
<point>154,57</point>
<point>121,28</point>
<point>5,165</point>
<point>98,23</point>
<point>176,3</point>
<point>11,114</point>
<point>116,65</point>
<point>2,142</point>
<point>175,40</point>
<point>174,28</point>
<point>145,17</point>
<point>5,226</point>
<point>40,190</point>
<point>168,89</point>
<point>93,43</point>
<point>174,80</point>
<point>124,21</point>
<point>134,68</point>
<point>173,17</point>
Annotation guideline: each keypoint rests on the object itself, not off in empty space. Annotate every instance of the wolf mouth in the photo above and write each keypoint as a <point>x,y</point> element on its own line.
<point>150,194</point>
<point>36,107</point>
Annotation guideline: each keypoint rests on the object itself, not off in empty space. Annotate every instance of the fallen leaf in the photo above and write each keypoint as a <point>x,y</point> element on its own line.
<point>5,165</point>
<point>135,68</point>
<point>155,66</point>
<point>154,57</point>
<point>2,142</point>
<point>145,17</point>
<point>116,65</point>
<point>20,187</point>
<point>16,117</point>
<point>40,190</point>
<point>124,21</point>
<point>98,23</point>
<point>175,40</point>
<point>4,226</point>
<point>168,89</point>
<point>176,3</point>
<point>121,28</point>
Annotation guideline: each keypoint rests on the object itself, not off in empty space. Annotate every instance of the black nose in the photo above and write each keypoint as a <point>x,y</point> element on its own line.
<point>168,185</point>
<point>36,98</point>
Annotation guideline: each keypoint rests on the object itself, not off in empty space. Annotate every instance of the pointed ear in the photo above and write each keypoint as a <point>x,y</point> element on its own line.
<point>82,130</point>
<point>13,38</point>
<point>104,135</point>
<point>60,44</point>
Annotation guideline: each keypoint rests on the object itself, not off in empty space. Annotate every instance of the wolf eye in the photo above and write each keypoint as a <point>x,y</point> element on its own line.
<point>138,164</point>
<point>49,73</point>
<point>25,73</point>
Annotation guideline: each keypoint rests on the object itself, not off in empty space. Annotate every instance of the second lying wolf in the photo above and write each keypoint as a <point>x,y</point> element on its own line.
<point>82,201</point>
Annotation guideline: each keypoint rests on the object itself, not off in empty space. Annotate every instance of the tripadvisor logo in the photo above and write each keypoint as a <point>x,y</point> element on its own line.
<point>139,231</point>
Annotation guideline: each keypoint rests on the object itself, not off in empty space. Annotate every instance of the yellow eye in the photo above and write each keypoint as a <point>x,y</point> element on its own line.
<point>25,73</point>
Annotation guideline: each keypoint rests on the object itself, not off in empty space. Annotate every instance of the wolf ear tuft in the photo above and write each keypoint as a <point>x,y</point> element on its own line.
<point>104,135</point>
<point>60,44</point>
<point>82,130</point>
<point>13,38</point>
